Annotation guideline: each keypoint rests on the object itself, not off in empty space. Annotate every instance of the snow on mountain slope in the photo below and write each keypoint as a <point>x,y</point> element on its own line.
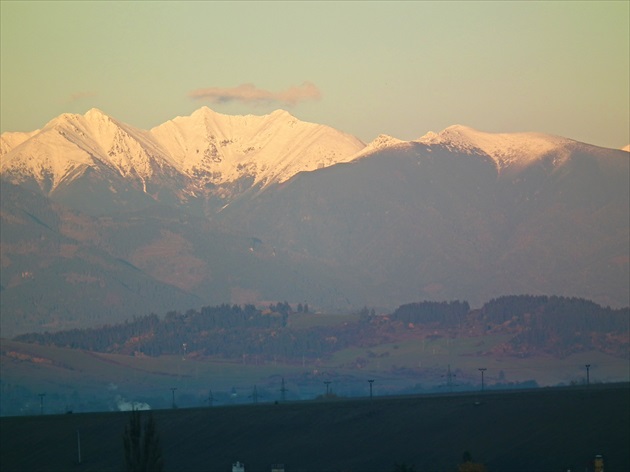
<point>206,147</point>
<point>70,144</point>
<point>382,141</point>
<point>12,139</point>
<point>220,148</point>
<point>506,149</point>
<point>47,157</point>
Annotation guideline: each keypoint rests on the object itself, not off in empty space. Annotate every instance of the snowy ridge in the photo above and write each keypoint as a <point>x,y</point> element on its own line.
<point>222,148</point>
<point>506,149</point>
<point>206,147</point>
<point>207,150</point>
<point>382,141</point>
<point>69,144</point>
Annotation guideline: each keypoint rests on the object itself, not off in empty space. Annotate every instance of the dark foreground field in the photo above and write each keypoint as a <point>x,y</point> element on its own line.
<point>539,430</point>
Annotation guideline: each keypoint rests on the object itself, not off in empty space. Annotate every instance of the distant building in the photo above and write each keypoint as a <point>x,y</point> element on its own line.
<point>599,463</point>
<point>238,467</point>
<point>277,468</point>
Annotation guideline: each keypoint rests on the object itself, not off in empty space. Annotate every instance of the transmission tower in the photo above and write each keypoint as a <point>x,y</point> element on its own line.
<point>254,396</point>
<point>283,391</point>
<point>449,379</point>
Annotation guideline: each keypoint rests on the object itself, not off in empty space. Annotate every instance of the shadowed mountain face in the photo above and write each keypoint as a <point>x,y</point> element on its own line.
<point>63,269</point>
<point>457,215</point>
<point>421,222</point>
<point>58,270</point>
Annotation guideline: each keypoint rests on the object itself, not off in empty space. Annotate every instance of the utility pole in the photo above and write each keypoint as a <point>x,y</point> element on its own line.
<point>173,392</point>
<point>482,370</point>
<point>371,381</point>
<point>255,395</point>
<point>588,380</point>
<point>41,403</point>
<point>210,399</point>
<point>327,382</point>
<point>79,445</point>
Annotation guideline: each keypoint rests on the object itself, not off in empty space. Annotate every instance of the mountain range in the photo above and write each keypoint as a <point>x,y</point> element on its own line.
<point>212,208</point>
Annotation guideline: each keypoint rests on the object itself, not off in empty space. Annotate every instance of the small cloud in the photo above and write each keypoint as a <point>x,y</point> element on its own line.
<point>249,93</point>
<point>78,96</point>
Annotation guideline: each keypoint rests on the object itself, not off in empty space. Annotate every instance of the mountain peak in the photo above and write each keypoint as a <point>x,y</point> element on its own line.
<point>203,111</point>
<point>61,119</point>
<point>281,112</point>
<point>382,141</point>
<point>93,113</point>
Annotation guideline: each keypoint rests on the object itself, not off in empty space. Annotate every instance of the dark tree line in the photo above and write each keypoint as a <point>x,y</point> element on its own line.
<point>445,313</point>
<point>230,331</point>
<point>557,325</point>
<point>554,313</point>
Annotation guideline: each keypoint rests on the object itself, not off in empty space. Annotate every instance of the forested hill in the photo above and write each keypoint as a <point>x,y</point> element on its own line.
<point>557,326</point>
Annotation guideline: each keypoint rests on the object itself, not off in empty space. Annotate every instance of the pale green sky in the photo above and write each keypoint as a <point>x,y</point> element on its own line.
<point>400,68</point>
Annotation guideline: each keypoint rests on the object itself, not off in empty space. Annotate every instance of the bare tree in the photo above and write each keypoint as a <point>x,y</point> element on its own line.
<point>143,452</point>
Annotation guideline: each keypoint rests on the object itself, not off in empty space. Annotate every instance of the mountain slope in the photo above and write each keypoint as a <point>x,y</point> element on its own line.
<point>58,272</point>
<point>63,269</point>
<point>13,139</point>
<point>444,220</point>
<point>250,218</point>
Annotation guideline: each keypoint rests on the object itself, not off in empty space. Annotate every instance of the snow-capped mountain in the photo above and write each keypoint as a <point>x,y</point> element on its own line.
<point>184,156</point>
<point>248,209</point>
<point>218,148</point>
<point>71,146</point>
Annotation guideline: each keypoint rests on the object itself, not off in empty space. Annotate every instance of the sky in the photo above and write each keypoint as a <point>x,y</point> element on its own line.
<point>365,68</point>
